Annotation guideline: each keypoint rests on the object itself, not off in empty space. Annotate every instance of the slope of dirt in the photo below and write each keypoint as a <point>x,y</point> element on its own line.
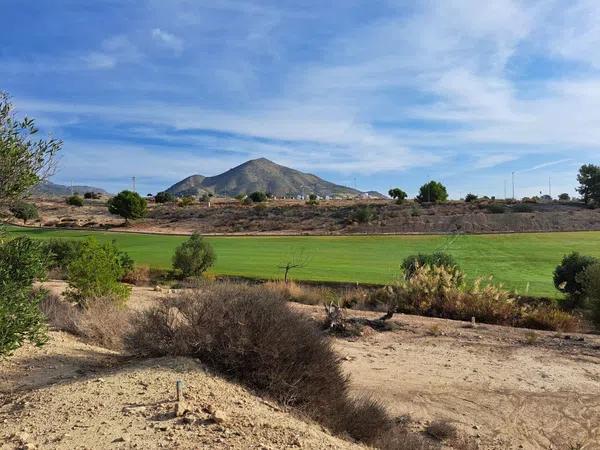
<point>332,217</point>
<point>132,405</point>
<point>508,388</point>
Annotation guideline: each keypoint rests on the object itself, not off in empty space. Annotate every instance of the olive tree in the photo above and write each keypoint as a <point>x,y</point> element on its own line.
<point>129,205</point>
<point>398,194</point>
<point>589,183</point>
<point>194,256</point>
<point>432,192</point>
<point>24,211</point>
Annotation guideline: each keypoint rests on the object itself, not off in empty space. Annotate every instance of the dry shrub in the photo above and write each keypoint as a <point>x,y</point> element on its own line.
<point>438,292</point>
<point>251,334</point>
<point>101,322</point>
<point>441,430</point>
<point>307,295</point>
<point>399,437</point>
<point>138,276</point>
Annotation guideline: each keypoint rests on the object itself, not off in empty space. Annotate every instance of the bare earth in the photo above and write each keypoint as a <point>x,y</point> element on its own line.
<point>506,388</point>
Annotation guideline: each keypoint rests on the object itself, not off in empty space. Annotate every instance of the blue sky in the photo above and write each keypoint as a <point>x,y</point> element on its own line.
<point>377,93</point>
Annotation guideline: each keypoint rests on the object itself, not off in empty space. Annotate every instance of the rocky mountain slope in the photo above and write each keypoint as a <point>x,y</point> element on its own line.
<point>260,175</point>
<point>49,189</point>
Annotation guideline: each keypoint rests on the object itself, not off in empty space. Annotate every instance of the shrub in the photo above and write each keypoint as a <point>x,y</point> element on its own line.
<point>415,211</point>
<point>398,194</point>
<point>470,198</point>
<point>92,195</point>
<point>21,262</point>
<point>24,211</point>
<point>522,208</point>
<point>194,256</point>
<point>441,292</point>
<point>441,430</point>
<point>436,259</point>
<point>127,204</point>
<point>75,200</point>
<point>61,252</point>
<point>495,208</point>
<point>364,214</point>
<point>252,335</point>
<point>565,277</point>
<point>95,273</point>
<point>258,197</point>
<point>164,197</point>
<point>186,201</point>
<point>590,280</point>
<point>138,275</point>
<point>564,197</point>
<point>101,322</point>
<point>312,200</point>
<point>432,192</point>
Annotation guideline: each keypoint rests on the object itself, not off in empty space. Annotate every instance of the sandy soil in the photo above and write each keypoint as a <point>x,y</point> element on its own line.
<point>506,388</point>
<point>328,218</point>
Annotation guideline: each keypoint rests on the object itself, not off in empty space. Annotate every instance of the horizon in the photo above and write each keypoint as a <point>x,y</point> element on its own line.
<point>374,96</point>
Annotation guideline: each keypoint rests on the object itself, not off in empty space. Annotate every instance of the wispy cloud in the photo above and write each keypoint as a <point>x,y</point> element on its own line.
<point>168,40</point>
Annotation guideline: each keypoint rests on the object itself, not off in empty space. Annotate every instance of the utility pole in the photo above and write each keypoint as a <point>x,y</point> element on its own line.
<point>133,183</point>
<point>513,185</point>
<point>550,186</point>
<point>71,188</point>
<point>505,189</point>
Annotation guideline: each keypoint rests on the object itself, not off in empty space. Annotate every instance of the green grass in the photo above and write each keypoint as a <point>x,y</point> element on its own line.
<point>518,261</point>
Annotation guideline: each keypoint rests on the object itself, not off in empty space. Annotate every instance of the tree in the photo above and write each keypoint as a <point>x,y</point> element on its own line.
<point>164,197</point>
<point>24,211</point>
<point>295,261</point>
<point>194,256</point>
<point>24,161</point>
<point>258,197</point>
<point>566,276</point>
<point>75,200</point>
<point>95,273</point>
<point>590,280</point>
<point>470,198</point>
<point>128,205</point>
<point>564,197</point>
<point>21,262</point>
<point>589,183</point>
<point>432,192</point>
<point>398,194</point>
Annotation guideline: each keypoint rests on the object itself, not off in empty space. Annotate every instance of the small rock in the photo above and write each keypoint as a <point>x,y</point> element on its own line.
<point>181,408</point>
<point>122,439</point>
<point>218,416</point>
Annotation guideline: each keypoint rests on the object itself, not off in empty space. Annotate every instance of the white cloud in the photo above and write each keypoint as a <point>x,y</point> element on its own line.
<point>168,40</point>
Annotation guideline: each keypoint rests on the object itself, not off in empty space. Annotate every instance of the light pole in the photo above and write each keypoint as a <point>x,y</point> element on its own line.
<point>513,185</point>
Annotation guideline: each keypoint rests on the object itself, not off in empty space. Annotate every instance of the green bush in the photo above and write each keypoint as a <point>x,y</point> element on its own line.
<point>522,208</point>
<point>432,192</point>
<point>312,200</point>
<point>565,277</point>
<point>96,272</point>
<point>398,194</point>
<point>470,198</point>
<point>24,211</point>
<point>75,200</point>
<point>61,252</point>
<point>590,280</point>
<point>258,197</point>
<point>164,197</point>
<point>436,259</point>
<point>128,205</point>
<point>194,256</point>
<point>364,214</point>
<point>495,208</point>
<point>22,261</point>
<point>186,201</point>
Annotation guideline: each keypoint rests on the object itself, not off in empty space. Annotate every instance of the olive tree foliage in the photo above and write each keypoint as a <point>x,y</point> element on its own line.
<point>24,160</point>
<point>398,194</point>
<point>194,256</point>
<point>432,192</point>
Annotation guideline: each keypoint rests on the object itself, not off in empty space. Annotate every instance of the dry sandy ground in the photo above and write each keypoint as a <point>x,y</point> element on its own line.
<point>506,388</point>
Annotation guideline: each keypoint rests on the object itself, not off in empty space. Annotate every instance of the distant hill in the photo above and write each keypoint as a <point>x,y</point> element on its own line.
<point>49,189</point>
<point>260,175</point>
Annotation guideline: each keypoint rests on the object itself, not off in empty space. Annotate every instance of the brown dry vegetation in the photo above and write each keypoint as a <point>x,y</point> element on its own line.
<point>330,217</point>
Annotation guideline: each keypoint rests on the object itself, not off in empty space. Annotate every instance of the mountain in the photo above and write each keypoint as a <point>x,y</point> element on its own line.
<point>49,189</point>
<point>260,175</point>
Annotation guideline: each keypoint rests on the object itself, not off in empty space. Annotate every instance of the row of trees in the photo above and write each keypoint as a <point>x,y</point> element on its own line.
<point>430,192</point>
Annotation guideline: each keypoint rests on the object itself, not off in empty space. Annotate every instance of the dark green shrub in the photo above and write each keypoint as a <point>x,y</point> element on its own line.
<point>24,211</point>
<point>590,280</point>
<point>495,208</point>
<point>522,208</point>
<point>95,273</point>
<point>61,252</point>
<point>75,200</point>
<point>565,277</point>
<point>92,195</point>
<point>127,204</point>
<point>564,197</point>
<point>21,262</point>
<point>164,197</point>
<point>186,201</point>
<point>194,256</point>
<point>432,192</point>
<point>364,214</point>
<point>258,197</point>
<point>312,200</point>
<point>470,198</point>
<point>436,259</point>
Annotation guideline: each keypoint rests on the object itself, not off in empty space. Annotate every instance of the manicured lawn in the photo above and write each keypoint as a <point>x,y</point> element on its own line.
<point>519,261</point>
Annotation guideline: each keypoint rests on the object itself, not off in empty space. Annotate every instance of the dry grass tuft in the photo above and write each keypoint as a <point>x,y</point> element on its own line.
<point>441,430</point>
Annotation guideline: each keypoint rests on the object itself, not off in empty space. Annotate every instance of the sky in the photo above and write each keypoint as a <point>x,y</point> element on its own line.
<point>373,94</point>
